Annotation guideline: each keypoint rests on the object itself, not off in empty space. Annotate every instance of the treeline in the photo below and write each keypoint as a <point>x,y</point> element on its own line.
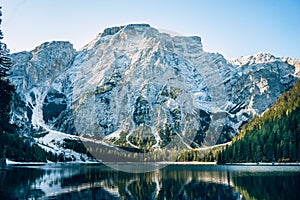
<point>197,155</point>
<point>21,149</point>
<point>273,137</point>
<point>12,145</point>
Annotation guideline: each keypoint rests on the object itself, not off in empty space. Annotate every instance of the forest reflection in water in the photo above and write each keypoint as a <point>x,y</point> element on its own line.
<point>173,182</point>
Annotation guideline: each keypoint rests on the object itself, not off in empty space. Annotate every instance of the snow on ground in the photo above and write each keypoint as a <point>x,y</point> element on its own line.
<point>11,162</point>
<point>53,142</point>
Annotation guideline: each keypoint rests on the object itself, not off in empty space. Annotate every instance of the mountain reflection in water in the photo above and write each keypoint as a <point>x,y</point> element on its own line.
<point>172,182</point>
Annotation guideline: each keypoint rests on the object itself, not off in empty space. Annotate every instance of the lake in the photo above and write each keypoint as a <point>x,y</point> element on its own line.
<point>74,181</point>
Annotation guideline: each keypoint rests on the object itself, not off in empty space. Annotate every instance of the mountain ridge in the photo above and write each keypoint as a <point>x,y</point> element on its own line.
<point>132,79</point>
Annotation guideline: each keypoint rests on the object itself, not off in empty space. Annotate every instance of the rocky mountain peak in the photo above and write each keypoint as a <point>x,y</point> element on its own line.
<point>138,88</point>
<point>141,33</point>
<point>255,59</point>
<point>116,29</point>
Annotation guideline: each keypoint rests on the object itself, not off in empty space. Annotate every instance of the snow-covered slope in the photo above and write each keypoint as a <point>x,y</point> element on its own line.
<point>133,82</point>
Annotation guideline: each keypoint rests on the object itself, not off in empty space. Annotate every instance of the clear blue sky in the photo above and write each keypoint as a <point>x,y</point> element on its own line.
<point>230,27</point>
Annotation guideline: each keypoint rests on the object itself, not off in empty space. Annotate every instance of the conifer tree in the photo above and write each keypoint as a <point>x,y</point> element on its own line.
<point>5,61</point>
<point>5,94</point>
<point>5,88</point>
<point>275,136</point>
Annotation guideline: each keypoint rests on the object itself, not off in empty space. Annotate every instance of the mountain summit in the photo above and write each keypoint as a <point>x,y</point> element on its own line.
<point>135,87</point>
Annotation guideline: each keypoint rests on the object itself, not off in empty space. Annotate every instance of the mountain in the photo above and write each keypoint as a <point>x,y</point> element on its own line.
<point>137,88</point>
<point>275,136</point>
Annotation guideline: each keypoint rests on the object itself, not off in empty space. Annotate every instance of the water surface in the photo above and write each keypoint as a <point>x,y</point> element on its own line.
<point>59,181</point>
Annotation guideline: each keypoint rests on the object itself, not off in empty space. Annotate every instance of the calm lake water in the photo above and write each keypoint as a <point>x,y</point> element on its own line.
<point>172,182</point>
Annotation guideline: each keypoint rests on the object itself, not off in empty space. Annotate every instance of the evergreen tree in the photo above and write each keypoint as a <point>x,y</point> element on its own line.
<point>275,136</point>
<point>5,61</point>
<point>5,95</point>
<point>258,154</point>
<point>5,88</point>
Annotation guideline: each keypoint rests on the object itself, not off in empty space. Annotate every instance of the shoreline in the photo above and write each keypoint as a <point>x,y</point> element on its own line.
<point>16,163</point>
<point>188,163</point>
<point>194,163</point>
<point>233,164</point>
<point>263,164</point>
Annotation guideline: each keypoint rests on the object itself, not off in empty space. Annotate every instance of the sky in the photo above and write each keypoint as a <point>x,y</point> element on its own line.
<point>230,27</point>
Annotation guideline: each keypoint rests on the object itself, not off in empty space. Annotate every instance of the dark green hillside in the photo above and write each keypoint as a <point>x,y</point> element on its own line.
<point>275,136</point>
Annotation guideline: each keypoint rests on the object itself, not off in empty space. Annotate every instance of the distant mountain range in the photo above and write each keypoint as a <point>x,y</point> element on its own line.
<point>135,87</point>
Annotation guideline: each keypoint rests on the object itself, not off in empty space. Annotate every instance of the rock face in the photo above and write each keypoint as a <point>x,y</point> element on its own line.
<point>137,87</point>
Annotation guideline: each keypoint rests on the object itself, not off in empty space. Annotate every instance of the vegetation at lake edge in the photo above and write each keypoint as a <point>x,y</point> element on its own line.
<point>273,137</point>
